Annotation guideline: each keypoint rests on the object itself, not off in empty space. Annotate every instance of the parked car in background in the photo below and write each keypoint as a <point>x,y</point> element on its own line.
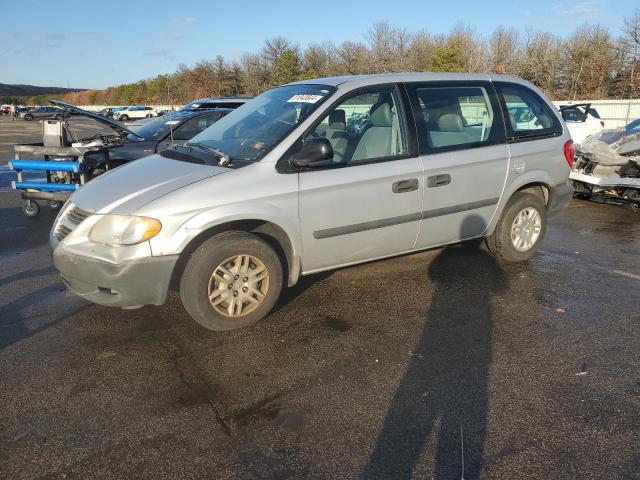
<point>226,215</point>
<point>216,102</point>
<point>582,120</point>
<point>21,111</point>
<point>5,109</point>
<point>43,113</point>
<point>163,132</point>
<point>109,111</point>
<point>133,112</point>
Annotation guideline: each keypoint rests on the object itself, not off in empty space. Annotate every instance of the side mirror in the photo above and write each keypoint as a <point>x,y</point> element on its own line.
<point>314,150</point>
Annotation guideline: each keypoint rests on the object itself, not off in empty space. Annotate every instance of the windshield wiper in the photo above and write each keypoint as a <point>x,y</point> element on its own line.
<point>224,158</point>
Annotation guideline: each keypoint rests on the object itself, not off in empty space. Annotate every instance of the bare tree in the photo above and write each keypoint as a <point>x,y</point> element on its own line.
<point>631,42</point>
<point>502,52</point>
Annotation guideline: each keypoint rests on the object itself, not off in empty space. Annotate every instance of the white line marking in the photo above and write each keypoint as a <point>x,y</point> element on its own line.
<point>626,274</point>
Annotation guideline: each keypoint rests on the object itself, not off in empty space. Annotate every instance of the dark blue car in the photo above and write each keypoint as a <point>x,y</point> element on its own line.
<point>163,132</point>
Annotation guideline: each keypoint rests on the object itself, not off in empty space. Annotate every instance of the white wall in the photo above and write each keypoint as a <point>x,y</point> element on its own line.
<point>96,108</point>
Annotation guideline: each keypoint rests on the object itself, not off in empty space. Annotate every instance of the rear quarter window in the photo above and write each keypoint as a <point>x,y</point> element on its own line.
<point>527,115</point>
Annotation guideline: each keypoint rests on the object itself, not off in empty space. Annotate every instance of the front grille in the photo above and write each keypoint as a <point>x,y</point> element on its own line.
<point>73,217</point>
<point>77,215</point>
<point>62,231</point>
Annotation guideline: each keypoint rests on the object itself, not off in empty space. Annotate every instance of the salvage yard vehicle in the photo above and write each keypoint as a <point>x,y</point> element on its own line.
<point>163,132</point>
<point>607,166</point>
<point>280,188</point>
<point>42,113</point>
<point>582,120</point>
<point>136,111</point>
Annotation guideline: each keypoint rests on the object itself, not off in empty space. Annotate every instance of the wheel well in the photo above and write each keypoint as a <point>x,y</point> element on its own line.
<point>539,189</point>
<point>270,232</point>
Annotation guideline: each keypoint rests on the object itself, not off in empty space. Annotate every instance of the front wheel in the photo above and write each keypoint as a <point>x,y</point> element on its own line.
<point>231,281</point>
<point>123,118</point>
<point>28,117</point>
<point>59,117</point>
<point>521,228</point>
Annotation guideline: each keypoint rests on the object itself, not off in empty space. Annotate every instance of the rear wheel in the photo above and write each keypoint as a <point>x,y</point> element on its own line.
<point>124,118</point>
<point>231,281</point>
<point>521,228</point>
<point>28,117</point>
<point>59,117</point>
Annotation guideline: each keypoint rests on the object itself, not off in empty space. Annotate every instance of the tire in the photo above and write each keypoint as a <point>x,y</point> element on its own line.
<point>28,117</point>
<point>123,118</point>
<point>59,117</point>
<point>503,242</point>
<point>54,204</point>
<point>30,208</point>
<point>222,251</point>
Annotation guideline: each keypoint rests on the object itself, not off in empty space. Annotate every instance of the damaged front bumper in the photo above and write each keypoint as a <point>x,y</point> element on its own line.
<point>127,284</point>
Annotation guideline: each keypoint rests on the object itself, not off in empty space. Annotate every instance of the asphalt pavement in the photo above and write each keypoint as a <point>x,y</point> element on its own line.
<point>404,368</point>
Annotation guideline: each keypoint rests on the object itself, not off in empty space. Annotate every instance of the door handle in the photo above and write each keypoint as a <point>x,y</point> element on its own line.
<point>438,180</point>
<point>403,186</point>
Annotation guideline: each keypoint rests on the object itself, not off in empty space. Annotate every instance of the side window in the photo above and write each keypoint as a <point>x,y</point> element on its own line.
<point>365,126</point>
<point>194,126</point>
<point>455,117</point>
<point>527,115</point>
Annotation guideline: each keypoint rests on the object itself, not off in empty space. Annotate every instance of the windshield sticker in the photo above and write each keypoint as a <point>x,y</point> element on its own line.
<point>305,98</point>
<point>172,122</point>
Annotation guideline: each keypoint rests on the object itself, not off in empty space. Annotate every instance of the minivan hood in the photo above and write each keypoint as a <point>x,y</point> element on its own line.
<point>133,185</point>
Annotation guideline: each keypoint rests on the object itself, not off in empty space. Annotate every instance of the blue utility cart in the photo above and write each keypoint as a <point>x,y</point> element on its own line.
<point>66,167</point>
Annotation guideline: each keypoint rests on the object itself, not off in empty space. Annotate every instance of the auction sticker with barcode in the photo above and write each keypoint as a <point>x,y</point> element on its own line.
<point>305,98</point>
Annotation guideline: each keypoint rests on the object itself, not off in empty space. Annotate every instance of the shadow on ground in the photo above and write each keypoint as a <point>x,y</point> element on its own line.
<point>444,390</point>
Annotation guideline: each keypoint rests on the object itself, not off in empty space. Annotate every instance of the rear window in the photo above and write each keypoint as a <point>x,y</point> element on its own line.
<point>527,115</point>
<point>456,117</point>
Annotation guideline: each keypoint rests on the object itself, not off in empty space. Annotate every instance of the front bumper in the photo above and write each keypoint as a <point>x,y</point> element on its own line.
<point>559,197</point>
<point>128,284</point>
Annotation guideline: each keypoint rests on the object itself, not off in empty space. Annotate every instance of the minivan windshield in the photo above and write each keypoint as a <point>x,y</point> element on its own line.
<point>253,129</point>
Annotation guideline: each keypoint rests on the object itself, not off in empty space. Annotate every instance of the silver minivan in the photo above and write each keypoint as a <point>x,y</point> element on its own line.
<point>313,176</point>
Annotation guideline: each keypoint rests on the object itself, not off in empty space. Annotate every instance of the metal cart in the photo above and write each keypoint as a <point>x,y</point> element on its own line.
<point>66,167</point>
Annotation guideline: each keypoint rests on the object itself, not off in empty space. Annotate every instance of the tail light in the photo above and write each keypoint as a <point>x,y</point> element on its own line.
<point>568,152</point>
<point>602,123</point>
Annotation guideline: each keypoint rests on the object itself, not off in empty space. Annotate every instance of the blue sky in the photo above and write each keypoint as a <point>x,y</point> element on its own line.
<point>94,44</point>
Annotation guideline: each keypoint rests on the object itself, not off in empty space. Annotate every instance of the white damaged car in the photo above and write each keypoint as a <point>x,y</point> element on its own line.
<point>607,164</point>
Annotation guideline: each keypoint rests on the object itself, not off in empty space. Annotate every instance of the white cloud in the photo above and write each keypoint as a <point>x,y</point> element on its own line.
<point>579,9</point>
<point>181,21</point>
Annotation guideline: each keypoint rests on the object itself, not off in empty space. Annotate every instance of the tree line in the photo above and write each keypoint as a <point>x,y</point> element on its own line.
<point>590,63</point>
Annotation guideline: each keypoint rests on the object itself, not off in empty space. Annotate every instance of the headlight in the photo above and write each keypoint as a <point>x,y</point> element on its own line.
<point>124,229</point>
